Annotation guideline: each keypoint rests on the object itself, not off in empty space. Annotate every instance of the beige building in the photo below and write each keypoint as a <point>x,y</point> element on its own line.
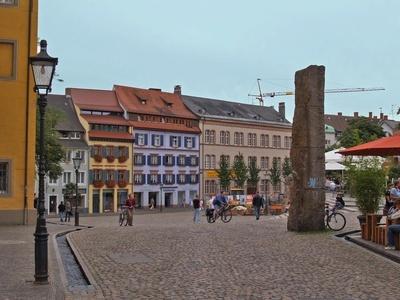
<point>259,133</point>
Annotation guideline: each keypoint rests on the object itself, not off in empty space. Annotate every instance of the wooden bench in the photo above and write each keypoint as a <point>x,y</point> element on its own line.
<point>276,209</point>
<point>377,232</point>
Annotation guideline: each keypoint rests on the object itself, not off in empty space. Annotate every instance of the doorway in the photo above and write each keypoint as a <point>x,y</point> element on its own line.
<point>168,199</point>
<point>154,196</point>
<point>138,199</point>
<point>53,204</point>
<point>122,196</point>
<point>108,201</point>
<point>96,201</point>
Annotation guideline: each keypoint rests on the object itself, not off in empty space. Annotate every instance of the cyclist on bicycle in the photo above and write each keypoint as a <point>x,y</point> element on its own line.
<point>219,202</point>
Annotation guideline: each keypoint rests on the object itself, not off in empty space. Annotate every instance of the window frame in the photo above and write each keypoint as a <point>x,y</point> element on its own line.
<point>8,190</point>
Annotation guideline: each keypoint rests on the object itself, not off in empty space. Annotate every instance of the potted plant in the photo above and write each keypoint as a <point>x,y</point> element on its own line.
<point>98,183</point>
<point>98,157</point>
<point>110,158</point>
<point>122,159</point>
<point>367,180</point>
<point>110,183</point>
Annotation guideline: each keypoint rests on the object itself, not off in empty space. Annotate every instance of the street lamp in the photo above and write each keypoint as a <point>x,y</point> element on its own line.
<point>43,67</point>
<point>77,164</point>
<point>161,195</point>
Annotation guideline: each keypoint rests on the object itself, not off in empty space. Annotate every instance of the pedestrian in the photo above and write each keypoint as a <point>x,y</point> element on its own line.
<point>196,206</point>
<point>61,211</point>
<point>257,204</point>
<point>35,201</point>
<point>68,211</point>
<point>130,205</point>
<point>152,203</point>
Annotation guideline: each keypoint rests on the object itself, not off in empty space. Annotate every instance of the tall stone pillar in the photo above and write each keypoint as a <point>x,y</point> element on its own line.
<point>307,154</point>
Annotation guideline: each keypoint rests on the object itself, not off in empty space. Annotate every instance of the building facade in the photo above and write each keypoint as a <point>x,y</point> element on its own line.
<point>166,150</point>
<point>259,133</point>
<point>18,41</point>
<point>72,138</point>
<point>110,140</point>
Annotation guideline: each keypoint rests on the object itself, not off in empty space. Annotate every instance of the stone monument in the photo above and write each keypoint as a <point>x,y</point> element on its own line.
<point>307,154</point>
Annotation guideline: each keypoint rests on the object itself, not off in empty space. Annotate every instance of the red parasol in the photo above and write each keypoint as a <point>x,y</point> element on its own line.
<point>385,146</point>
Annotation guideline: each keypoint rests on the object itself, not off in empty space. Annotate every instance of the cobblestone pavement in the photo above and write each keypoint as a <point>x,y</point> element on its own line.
<point>166,256</point>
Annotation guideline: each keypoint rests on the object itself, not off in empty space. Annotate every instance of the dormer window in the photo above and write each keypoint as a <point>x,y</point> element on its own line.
<point>142,100</point>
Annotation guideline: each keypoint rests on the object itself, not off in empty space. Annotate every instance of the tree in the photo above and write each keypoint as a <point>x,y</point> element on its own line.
<point>275,173</point>
<point>224,173</point>
<point>254,177</point>
<point>239,171</point>
<point>360,130</point>
<point>70,189</point>
<point>286,168</point>
<point>53,151</point>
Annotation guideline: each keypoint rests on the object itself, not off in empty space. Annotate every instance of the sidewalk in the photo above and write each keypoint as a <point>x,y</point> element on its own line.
<point>17,264</point>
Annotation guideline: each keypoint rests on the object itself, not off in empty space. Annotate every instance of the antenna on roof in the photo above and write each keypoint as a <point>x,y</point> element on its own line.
<point>260,96</point>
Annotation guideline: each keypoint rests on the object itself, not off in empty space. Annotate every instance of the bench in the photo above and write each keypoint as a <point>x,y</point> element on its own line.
<point>377,232</point>
<point>276,209</point>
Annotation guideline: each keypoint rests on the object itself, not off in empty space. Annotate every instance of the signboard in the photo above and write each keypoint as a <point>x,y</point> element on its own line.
<point>212,173</point>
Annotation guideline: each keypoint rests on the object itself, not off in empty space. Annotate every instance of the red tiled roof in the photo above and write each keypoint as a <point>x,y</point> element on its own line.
<point>153,102</point>
<point>110,135</point>
<point>100,100</point>
<point>110,120</point>
<point>163,126</point>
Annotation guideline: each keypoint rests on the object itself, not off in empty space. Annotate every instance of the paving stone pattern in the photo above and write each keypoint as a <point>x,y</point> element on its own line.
<point>166,256</point>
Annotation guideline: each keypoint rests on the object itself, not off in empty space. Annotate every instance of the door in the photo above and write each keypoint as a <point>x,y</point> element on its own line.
<point>96,202</point>
<point>53,204</point>
<point>181,199</point>
<point>138,199</point>
<point>108,200</point>
<point>154,196</point>
<point>168,199</point>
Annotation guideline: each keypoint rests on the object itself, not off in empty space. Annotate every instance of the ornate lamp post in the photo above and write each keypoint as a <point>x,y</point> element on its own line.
<point>161,195</point>
<point>77,164</point>
<point>43,67</point>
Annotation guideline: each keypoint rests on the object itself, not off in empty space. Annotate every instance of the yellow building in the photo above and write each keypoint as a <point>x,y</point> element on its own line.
<point>110,140</point>
<point>18,36</point>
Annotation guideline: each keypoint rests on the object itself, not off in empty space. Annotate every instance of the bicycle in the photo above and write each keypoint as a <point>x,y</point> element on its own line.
<point>333,219</point>
<point>123,216</point>
<point>224,212</point>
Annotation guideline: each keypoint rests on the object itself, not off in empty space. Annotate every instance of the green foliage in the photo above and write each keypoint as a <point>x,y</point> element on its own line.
<point>53,151</point>
<point>224,173</point>
<point>394,172</point>
<point>367,179</point>
<point>332,147</point>
<point>239,171</point>
<point>360,130</point>
<point>275,173</point>
<point>286,168</point>
<point>70,189</point>
<point>254,177</point>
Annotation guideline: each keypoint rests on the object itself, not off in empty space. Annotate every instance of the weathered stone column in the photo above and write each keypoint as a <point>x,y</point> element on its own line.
<point>307,154</point>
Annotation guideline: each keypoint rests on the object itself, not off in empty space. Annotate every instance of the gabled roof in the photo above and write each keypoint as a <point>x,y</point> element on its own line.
<point>152,102</point>
<point>394,125</point>
<point>109,120</point>
<point>110,135</point>
<point>339,122</point>
<point>69,120</point>
<point>99,100</point>
<point>206,107</point>
<point>164,127</point>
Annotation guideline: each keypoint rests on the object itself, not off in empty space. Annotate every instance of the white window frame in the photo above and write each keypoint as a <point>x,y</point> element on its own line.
<point>81,178</point>
<point>153,159</point>
<point>189,142</point>
<point>52,181</point>
<point>169,178</point>
<point>141,139</point>
<point>6,180</point>
<point>153,178</point>
<point>157,140</point>
<point>67,176</point>
<point>174,142</point>
<point>137,178</point>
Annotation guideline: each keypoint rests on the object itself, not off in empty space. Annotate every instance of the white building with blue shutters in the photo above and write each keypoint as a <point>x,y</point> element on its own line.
<point>166,149</point>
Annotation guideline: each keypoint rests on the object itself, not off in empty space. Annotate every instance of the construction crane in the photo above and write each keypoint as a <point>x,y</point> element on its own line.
<point>260,96</point>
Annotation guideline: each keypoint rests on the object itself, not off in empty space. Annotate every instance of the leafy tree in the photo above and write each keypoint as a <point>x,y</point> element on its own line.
<point>53,151</point>
<point>254,177</point>
<point>70,189</point>
<point>394,172</point>
<point>224,173</point>
<point>275,173</point>
<point>286,168</point>
<point>360,130</point>
<point>239,171</point>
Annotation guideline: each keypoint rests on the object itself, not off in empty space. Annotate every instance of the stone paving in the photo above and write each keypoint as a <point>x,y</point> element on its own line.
<point>166,256</point>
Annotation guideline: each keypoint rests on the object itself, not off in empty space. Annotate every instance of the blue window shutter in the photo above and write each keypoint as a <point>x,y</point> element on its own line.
<point>177,178</point>
<point>148,179</point>
<point>103,151</point>
<point>148,160</point>
<point>145,139</point>
<point>185,141</point>
<point>164,160</point>
<point>187,160</point>
<point>197,160</point>
<point>173,179</point>
<point>161,140</point>
<point>197,178</point>
<point>90,176</point>
<point>179,141</point>
<point>187,178</point>
<point>144,179</point>
<point>158,178</point>
<point>126,175</point>
<point>152,139</point>
<point>193,142</point>
<point>136,138</point>
<point>170,141</point>
<point>164,179</point>
<point>159,160</point>
<point>173,160</point>
<point>116,176</point>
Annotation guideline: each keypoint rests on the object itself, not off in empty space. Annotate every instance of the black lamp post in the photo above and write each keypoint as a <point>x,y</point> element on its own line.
<point>161,195</point>
<point>43,67</point>
<point>77,164</point>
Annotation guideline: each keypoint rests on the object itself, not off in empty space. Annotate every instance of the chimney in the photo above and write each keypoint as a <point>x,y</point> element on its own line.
<point>339,114</point>
<point>178,90</point>
<point>356,114</point>
<point>385,117</point>
<point>155,89</point>
<point>370,115</point>
<point>282,109</point>
<point>375,117</point>
<point>381,116</point>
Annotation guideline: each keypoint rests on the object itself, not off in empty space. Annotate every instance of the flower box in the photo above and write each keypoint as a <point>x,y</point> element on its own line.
<point>98,183</point>
<point>110,183</point>
<point>122,159</point>
<point>97,158</point>
<point>110,158</point>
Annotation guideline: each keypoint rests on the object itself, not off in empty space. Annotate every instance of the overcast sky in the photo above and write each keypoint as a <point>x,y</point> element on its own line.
<point>218,49</point>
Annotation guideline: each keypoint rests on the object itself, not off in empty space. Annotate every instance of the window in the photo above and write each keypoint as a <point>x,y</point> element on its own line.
<point>156,140</point>
<point>138,178</point>
<point>278,162</point>
<point>138,159</point>
<point>288,142</point>
<point>5,178</point>
<point>168,160</point>
<point>68,155</point>
<point>66,177</point>
<point>212,162</point>
<point>193,178</point>
<point>181,160</point>
<point>264,141</point>
<point>75,135</point>
<point>81,155</point>
<point>224,137</point>
<point>207,162</point>
<point>276,141</point>
<point>227,158</point>
<point>193,160</point>
<point>141,139</point>
<point>264,162</point>
<point>81,178</point>
<point>153,178</point>
<point>250,159</point>
<point>174,141</point>
<point>189,142</point>
<point>182,178</point>
<point>210,187</point>
<point>97,175</point>
<point>8,2</point>
<point>264,186</point>
<point>209,136</point>
<point>252,139</point>
<point>52,181</point>
<point>153,159</point>
<point>8,56</point>
<point>168,178</point>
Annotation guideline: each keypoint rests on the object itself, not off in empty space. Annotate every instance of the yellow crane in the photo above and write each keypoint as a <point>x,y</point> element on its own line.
<point>260,96</point>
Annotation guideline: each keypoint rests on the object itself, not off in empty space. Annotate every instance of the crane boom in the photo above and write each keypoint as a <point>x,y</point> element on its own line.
<point>346,90</point>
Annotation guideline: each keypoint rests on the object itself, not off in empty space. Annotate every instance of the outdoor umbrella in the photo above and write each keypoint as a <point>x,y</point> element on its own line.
<point>386,146</point>
<point>334,166</point>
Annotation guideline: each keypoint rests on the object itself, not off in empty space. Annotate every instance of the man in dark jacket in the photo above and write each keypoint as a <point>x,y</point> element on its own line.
<point>257,204</point>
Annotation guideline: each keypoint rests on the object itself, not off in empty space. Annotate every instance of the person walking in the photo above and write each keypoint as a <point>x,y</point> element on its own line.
<point>196,206</point>
<point>257,204</point>
<point>61,211</point>
<point>130,205</point>
<point>152,203</point>
<point>68,211</point>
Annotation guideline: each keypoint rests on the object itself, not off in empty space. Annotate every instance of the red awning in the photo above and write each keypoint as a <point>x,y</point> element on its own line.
<point>386,146</point>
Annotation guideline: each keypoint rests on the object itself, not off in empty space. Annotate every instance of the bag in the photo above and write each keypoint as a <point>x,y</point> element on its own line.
<point>395,215</point>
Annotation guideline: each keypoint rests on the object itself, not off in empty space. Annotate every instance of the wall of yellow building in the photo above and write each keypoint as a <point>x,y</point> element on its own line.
<point>18,41</point>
